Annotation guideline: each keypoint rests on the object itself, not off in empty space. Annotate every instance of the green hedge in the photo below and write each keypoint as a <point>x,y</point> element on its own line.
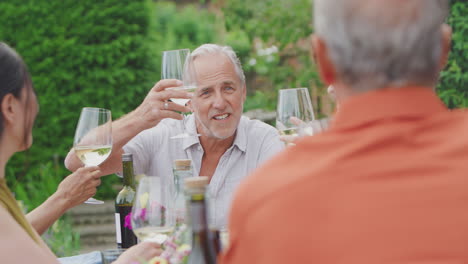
<point>176,27</point>
<point>284,23</point>
<point>80,53</point>
<point>271,37</point>
<point>453,85</point>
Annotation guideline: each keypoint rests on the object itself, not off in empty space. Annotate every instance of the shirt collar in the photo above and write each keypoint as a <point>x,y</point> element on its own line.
<point>192,129</point>
<point>387,103</point>
<point>240,139</point>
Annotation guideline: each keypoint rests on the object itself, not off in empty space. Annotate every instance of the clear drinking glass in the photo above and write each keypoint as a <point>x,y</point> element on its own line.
<point>111,255</point>
<point>93,138</point>
<point>153,214</point>
<point>176,64</point>
<point>293,111</point>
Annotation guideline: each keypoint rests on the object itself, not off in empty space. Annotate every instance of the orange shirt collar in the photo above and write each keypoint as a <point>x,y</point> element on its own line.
<point>387,103</point>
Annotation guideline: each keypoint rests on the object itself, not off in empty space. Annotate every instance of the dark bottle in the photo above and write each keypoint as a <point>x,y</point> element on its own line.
<point>123,205</point>
<point>204,241</point>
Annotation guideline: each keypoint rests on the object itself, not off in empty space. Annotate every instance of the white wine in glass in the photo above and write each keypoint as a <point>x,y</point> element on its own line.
<point>153,233</point>
<point>188,89</point>
<point>153,212</point>
<point>93,155</point>
<point>93,138</point>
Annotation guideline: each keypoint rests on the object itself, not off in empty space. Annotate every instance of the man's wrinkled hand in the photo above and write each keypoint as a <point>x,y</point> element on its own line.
<point>156,106</point>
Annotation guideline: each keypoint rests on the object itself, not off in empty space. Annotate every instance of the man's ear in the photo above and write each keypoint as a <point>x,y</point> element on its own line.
<point>10,107</point>
<point>446,44</point>
<point>324,64</point>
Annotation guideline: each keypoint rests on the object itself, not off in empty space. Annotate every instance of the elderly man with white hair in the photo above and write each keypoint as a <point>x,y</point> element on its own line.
<point>387,182</point>
<point>230,145</point>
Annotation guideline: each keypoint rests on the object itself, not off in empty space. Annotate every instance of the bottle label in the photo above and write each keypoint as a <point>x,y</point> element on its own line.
<point>125,236</point>
<point>117,228</point>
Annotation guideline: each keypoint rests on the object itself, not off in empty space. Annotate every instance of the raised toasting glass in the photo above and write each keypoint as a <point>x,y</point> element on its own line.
<point>153,214</point>
<point>294,111</point>
<point>93,138</point>
<point>176,64</point>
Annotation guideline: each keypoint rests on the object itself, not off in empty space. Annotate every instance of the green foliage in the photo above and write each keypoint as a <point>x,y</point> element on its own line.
<point>44,177</point>
<point>453,85</point>
<point>62,239</point>
<point>271,39</point>
<point>80,53</point>
<point>175,27</point>
<point>260,98</point>
<point>280,21</point>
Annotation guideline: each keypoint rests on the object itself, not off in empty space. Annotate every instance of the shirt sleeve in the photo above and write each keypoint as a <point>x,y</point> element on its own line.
<point>143,147</point>
<point>138,146</point>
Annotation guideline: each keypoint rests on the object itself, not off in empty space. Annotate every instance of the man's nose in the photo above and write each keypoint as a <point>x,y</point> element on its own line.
<point>219,101</point>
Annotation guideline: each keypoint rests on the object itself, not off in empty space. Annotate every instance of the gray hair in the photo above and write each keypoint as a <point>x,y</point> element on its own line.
<point>379,43</point>
<point>226,50</point>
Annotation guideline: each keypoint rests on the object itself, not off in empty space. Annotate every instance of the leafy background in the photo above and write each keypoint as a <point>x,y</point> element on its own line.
<point>106,54</point>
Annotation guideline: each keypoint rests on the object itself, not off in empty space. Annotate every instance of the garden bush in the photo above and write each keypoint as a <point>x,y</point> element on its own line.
<point>174,27</point>
<point>453,85</point>
<point>271,38</point>
<point>79,53</point>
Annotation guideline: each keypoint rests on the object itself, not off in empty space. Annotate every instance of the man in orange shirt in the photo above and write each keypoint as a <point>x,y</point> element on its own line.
<point>388,182</point>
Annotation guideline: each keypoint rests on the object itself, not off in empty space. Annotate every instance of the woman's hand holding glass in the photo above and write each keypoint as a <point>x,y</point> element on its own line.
<point>93,138</point>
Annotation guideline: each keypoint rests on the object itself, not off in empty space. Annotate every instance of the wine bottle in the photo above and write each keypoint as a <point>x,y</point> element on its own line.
<point>204,245</point>
<point>123,205</point>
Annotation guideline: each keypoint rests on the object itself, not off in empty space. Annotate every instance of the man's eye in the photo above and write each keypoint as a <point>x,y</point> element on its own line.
<point>229,88</point>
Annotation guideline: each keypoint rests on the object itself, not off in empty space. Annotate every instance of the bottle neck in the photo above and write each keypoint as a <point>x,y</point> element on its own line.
<point>128,175</point>
<point>198,213</point>
<point>203,239</point>
<point>180,174</point>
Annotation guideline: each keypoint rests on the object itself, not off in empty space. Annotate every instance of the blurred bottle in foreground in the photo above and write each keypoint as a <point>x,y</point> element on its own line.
<point>205,242</point>
<point>123,205</point>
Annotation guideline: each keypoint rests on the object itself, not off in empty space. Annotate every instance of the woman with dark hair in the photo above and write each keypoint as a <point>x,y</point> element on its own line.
<point>19,241</point>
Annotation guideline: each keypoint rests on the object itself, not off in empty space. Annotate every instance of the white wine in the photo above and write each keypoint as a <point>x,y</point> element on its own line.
<point>289,132</point>
<point>153,233</point>
<point>182,101</point>
<point>93,155</point>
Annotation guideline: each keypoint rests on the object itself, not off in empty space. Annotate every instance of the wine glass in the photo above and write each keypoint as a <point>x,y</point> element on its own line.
<point>153,214</point>
<point>176,64</point>
<point>294,111</point>
<point>93,138</point>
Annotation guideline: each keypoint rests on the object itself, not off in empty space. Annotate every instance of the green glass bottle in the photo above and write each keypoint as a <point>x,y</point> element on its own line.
<point>123,205</point>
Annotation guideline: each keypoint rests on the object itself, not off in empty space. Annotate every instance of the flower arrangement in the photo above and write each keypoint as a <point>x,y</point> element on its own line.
<point>176,250</point>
